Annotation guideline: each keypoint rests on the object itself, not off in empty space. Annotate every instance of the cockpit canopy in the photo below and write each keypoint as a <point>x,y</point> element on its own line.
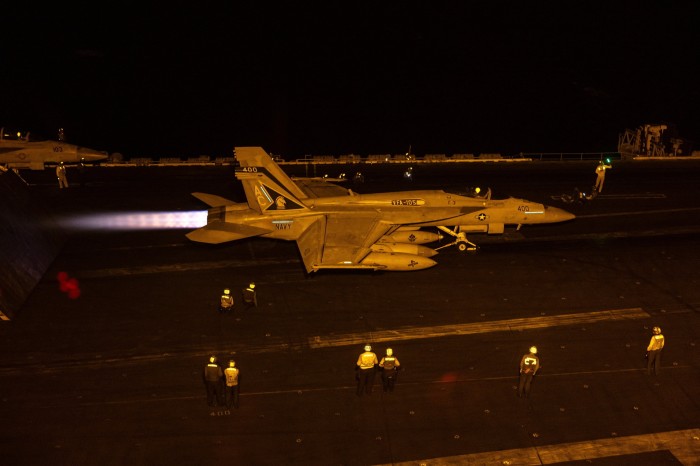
<point>472,191</point>
<point>12,134</point>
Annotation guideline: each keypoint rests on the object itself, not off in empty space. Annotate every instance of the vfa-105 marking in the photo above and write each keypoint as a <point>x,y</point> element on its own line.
<point>346,230</point>
<point>408,202</point>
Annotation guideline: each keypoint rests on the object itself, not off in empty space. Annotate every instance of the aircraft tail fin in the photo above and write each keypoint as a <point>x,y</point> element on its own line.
<point>267,187</point>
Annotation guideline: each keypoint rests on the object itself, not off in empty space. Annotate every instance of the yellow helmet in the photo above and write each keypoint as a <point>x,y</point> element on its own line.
<point>232,363</point>
<point>533,349</point>
<point>656,330</point>
<point>227,291</point>
<point>368,348</point>
<point>389,352</point>
<point>252,285</point>
<point>212,359</point>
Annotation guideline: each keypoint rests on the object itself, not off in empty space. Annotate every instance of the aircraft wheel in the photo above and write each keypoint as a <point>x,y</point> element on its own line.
<point>465,246</point>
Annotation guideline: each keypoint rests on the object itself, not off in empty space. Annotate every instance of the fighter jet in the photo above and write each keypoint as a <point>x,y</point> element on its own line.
<point>18,150</point>
<point>346,230</point>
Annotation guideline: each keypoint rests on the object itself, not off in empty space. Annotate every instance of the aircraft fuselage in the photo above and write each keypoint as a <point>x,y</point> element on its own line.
<point>35,155</point>
<point>379,231</point>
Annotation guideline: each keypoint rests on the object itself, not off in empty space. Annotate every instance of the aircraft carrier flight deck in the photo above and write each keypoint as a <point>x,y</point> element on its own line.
<point>102,362</point>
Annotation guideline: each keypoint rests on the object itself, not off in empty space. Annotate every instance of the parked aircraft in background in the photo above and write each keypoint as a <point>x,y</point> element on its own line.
<point>340,229</point>
<point>19,150</point>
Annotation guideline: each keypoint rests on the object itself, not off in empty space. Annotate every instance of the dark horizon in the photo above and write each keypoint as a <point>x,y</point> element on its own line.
<point>445,78</point>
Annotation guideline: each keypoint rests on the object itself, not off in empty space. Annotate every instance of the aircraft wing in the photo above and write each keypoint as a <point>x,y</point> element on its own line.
<point>221,232</point>
<point>349,238</point>
<point>338,241</point>
<point>310,244</point>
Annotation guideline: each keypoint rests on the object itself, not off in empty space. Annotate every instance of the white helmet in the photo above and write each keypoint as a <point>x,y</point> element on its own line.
<point>656,330</point>
<point>368,348</point>
<point>227,291</point>
<point>533,349</point>
<point>389,352</point>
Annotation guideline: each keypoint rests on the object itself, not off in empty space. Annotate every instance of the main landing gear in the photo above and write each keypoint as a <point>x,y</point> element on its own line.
<point>463,244</point>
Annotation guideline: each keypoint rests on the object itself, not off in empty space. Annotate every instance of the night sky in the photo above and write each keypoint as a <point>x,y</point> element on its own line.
<point>362,77</point>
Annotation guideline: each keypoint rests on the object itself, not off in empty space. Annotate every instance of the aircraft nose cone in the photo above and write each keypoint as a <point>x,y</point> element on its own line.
<point>91,155</point>
<point>555,214</point>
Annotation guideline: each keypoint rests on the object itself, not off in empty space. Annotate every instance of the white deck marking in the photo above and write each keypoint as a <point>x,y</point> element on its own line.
<point>182,267</point>
<point>683,444</point>
<point>509,325</point>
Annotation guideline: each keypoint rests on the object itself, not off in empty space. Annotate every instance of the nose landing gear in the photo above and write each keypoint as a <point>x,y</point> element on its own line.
<point>461,241</point>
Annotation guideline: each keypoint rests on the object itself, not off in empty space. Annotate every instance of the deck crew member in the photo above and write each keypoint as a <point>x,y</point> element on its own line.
<point>600,176</point>
<point>250,297</point>
<point>226,301</point>
<point>529,365</point>
<point>656,344</point>
<point>365,368</point>
<point>212,380</point>
<point>61,175</point>
<point>231,375</point>
<point>390,367</point>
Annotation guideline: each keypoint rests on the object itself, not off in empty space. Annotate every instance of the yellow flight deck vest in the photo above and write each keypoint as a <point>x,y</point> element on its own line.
<point>231,374</point>
<point>367,360</point>
<point>226,300</point>
<point>656,343</point>
<point>529,364</point>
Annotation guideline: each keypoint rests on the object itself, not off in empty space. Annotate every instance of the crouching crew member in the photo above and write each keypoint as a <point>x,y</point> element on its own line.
<point>390,368</point>
<point>226,301</point>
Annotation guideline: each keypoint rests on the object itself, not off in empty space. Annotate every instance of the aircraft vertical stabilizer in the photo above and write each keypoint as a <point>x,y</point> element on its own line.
<point>266,185</point>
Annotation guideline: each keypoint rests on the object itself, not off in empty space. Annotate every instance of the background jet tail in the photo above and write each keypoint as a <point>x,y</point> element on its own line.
<point>212,200</point>
<point>267,187</point>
